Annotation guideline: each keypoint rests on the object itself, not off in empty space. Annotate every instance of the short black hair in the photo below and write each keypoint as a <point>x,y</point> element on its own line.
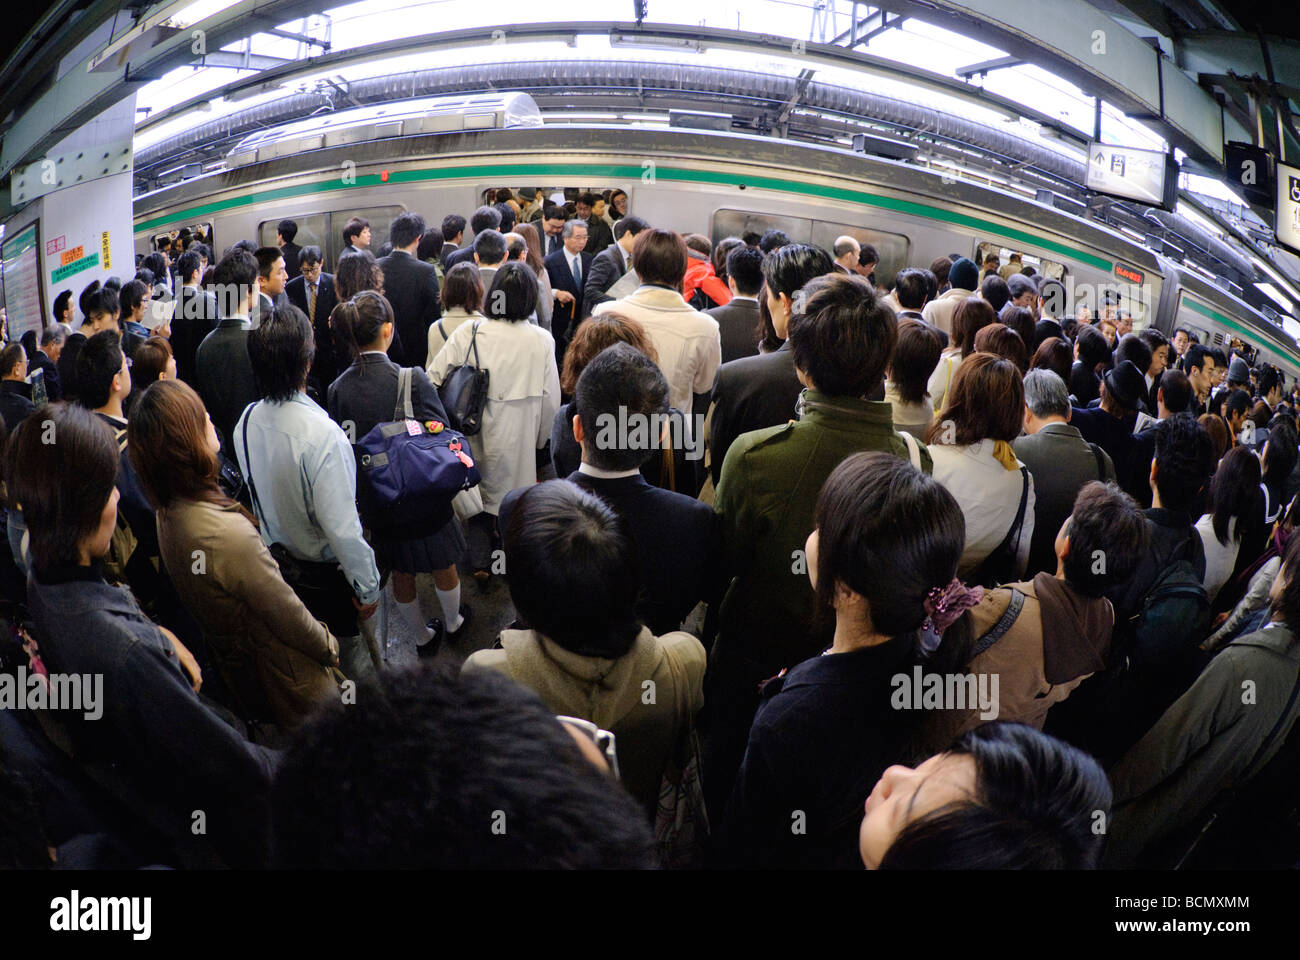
<point>1269,380</point>
<point>844,336</point>
<point>83,299</point>
<point>280,350</point>
<point>1133,348</point>
<point>629,224</point>
<point>745,266</point>
<point>485,218</point>
<point>353,229</point>
<point>789,267</point>
<point>1107,524</point>
<point>1018,285</point>
<point>1282,453</point>
<point>1036,803</point>
<point>554,211</point>
<point>1194,357</point>
<point>145,275</point>
<point>235,278</point>
<point>310,256</point>
<point>912,288</point>
<point>102,302</point>
<point>439,769</point>
<point>490,247</point>
<point>453,224</point>
<point>513,293</point>
<point>1184,460</point>
<point>405,229</point>
<point>867,255</point>
<point>266,257</point>
<point>132,296</point>
<point>1153,338</point>
<point>188,265</point>
<point>1236,401</point>
<point>287,229</point>
<point>995,290</point>
<point>575,569</point>
<point>621,378</point>
<point>61,304</point>
<point>1092,346</point>
<point>99,361</point>
<point>431,243</point>
<point>1175,390</point>
<point>773,240</point>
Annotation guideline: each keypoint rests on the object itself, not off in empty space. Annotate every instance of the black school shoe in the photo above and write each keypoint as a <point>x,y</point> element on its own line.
<point>439,628</point>
<point>434,644</point>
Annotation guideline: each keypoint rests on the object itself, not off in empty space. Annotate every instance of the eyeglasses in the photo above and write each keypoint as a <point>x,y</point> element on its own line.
<point>603,739</point>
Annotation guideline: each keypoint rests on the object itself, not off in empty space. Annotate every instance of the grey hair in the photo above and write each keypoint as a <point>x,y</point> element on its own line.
<point>569,226</point>
<point>55,333</point>
<point>1046,394</point>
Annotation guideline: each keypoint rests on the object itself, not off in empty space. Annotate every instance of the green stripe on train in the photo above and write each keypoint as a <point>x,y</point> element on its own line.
<point>1213,314</point>
<point>635,173</point>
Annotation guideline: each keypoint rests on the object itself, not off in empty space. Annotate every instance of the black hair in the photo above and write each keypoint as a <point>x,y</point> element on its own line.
<point>629,224</point>
<point>513,293</point>
<point>132,296</point>
<point>485,218</point>
<point>99,361</point>
<point>1106,524</point>
<point>280,350</point>
<point>309,256</point>
<point>995,290</point>
<point>1184,458</point>
<point>359,321</point>
<point>575,569</point>
<point>1153,338</point>
<point>1235,401</point>
<point>1133,348</point>
<point>844,336</point>
<point>266,257</point>
<point>405,229</point>
<point>60,304</point>
<point>1035,807</point>
<point>773,240</point>
<point>1176,391</point>
<point>751,238</point>
<point>353,229</point>
<point>1280,458</point>
<point>915,356</point>
<point>287,229</point>
<point>1269,380</point>
<point>431,243</point>
<point>188,265</point>
<point>554,211</point>
<point>788,268</point>
<point>156,264</point>
<point>235,278</point>
<point>912,288</point>
<point>1235,493</point>
<point>438,769</point>
<point>12,355</point>
<point>1194,357</point>
<point>490,247</point>
<point>745,266</point>
<point>1018,285</point>
<point>1092,346</point>
<point>84,298</point>
<point>453,224</point>
<point>63,486</point>
<point>621,377</point>
<point>867,254</point>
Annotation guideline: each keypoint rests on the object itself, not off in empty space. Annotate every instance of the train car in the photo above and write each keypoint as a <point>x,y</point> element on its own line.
<point>717,183</point>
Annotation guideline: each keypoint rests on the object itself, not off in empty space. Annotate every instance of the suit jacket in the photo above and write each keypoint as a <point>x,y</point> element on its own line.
<point>264,305</point>
<point>53,385</point>
<point>224,376</point>
<point>196,316</point>
<point>411,286</point>
<point>465,253</point>
<point>448,248</point>
<point>325,366</point>
<point>1061,462</point>
<point>738,324</point>
<point>547,247</point>
<point>565,318</point>
<point>68,365</point>
<point>676,539</point>
<point>291,253</point>
<point>15,403</point>
<point>599,235</point>
<point>749,394</point>
<point>1116,438</point>
<point>606,269</point>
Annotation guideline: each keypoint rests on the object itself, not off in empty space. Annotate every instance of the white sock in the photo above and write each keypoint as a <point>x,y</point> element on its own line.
<point>449,600</point>
<point>410,612</point>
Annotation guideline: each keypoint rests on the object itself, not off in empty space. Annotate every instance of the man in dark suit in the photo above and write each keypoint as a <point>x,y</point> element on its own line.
<point>453,235</point>
<point>224,373</point>
<point>356,236</point>
<point>46,359</point>
<point>285,231</point>
<point>552,225</point>
<point>1110,424</point>
<point>568,268</point>
<point>610,265</point>
<point>599,234</point>
<point>196,316</point>
<point>411,286</point>
<point>484,218</point>
<point>271,279</point>
<point>313,293</point>
<point>676,535</point>
<point>738,320</point>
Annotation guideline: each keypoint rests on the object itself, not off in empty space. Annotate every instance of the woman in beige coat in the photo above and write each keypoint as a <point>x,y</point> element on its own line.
<point>276,658</point>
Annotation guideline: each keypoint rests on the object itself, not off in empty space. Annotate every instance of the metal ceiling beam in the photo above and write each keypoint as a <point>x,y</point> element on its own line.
<point>1216,52</point>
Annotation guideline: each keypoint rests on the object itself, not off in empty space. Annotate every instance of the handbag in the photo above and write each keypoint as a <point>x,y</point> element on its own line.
<point>999,567</point>
<point>681,819</point>
<point>464,392</point>
<point>412,470</point>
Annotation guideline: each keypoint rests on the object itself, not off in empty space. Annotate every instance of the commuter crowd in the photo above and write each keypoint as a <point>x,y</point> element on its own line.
<point>834,572</point>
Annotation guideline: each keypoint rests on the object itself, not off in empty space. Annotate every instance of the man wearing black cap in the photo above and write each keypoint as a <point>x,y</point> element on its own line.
<point>1110,425</point>
<point>964,277</point>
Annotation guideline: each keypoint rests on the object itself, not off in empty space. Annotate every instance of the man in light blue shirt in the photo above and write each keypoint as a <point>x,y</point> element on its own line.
<point>302,472</point>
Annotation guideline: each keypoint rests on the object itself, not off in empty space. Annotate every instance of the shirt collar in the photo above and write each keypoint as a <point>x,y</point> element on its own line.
<point>740,296</point>
<point>588,470</point>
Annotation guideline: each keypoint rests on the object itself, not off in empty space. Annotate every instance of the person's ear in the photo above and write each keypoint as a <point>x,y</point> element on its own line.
<point>1069,412</point>
<point>579,434</point>
<point>1064,550</point>
<point>787,305</point>
<point>1154,467</point>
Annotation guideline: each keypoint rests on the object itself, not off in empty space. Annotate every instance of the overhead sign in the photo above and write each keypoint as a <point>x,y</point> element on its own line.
<point>1127,172</point>
<point>1128,273</point>
<point>1250,168</point>
<point>1286,226</point>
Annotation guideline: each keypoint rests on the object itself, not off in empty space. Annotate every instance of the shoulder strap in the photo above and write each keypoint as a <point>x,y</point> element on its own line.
<point>1101,464</point>
<point>999,629</point>
<point>248,465</point>
<point>473,345</point>
<point>442,330</point>
<point>1277,727</point>
<point>913,448</point>
<point>403,409</point>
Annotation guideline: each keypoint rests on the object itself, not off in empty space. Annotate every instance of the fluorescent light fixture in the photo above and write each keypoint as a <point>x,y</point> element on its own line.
<point>1277,277</point>
<point>1271,292</point>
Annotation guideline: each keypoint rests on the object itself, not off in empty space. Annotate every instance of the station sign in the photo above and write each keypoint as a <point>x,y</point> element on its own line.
<point>1250,168</point>
<point>1128,273</point>
<point>1286,226</point>
<point>1128,173</point>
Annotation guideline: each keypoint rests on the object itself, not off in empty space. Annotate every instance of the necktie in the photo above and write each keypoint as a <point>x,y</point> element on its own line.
<point>577,271</point>
<point>311,302</point>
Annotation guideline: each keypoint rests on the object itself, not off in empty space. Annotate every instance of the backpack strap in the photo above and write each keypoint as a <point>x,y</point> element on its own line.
<point>473,345</point>
<point>913,448</point>
<point>248,464</point>
<point>404,410</point>
<point>1101,464</point>
<point>999,629</point>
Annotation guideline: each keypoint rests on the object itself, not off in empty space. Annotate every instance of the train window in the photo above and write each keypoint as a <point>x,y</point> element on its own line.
<point>201,232</point>
<point>737,223</point>
<point>380,219</point>
<point>529,200</point>
<point>891,248</point>
<point>1051,268</point>
<point>313,230</point>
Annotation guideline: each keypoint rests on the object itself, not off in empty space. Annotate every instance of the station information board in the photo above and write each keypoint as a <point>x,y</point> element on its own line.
<point>21,274</point>
<point>1127,172</point>
<point>1287,225</point>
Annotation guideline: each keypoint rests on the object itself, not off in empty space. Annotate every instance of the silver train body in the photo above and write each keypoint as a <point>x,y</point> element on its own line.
<point>712,183</point>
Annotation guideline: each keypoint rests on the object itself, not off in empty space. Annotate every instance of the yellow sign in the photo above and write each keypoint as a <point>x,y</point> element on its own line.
<point>103,249</point>
<point>68,256</point>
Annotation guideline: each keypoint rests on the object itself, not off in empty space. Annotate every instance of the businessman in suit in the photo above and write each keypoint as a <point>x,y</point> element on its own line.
<point>552,226</point>
<point>411,286</point>
<point>195,317</point>
<point>738,320</point>
<point>568,268</point>
<point>271,279</point>
<point>484,218</point>
<point>453,235</point>
<point>285,231</point>
<point>312,292</point>
<point>610,265</point>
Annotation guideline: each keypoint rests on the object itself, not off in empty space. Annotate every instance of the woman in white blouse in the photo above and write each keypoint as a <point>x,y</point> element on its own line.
<point>1236,499</point>
<point>462,293</point>
<point>970,443</point>
<point>523,395</point>
<point>971,315</point>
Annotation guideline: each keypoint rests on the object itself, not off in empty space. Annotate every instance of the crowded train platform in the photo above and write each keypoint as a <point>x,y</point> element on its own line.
<point>815,477</point>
